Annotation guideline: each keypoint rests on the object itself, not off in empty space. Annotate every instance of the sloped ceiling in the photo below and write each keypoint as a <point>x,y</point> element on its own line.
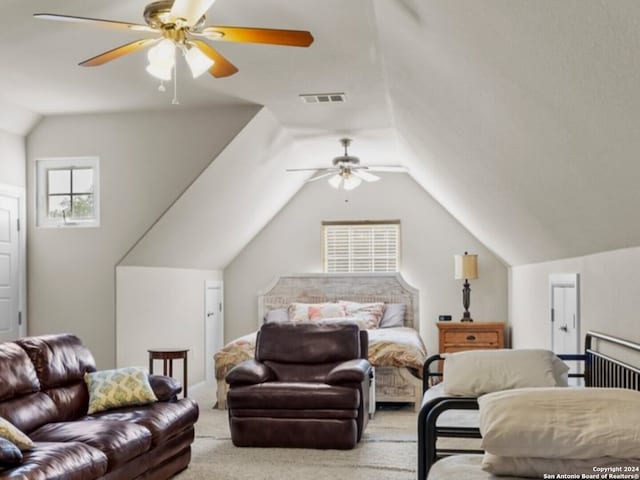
<point>521,117</point>
<point>227,204</point>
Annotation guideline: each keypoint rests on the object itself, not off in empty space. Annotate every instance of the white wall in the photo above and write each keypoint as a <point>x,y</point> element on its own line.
<point>146,161</point>
<point>609,294</point>
<point>12,159</point>
<point>291,243</point>
<point>162,308</point>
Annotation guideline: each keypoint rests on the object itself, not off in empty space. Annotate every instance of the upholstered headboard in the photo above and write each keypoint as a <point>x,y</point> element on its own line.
<point>332,287</point>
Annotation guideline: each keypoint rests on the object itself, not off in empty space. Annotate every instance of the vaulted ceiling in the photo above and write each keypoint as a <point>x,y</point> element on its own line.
<point>519,116</point>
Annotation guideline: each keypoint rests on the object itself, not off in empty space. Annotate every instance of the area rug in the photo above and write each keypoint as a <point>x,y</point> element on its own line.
<point>387,451</point>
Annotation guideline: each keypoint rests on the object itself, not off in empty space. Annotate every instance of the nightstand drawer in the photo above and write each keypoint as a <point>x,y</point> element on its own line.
<point>471,337</point>
<point>466,348</point>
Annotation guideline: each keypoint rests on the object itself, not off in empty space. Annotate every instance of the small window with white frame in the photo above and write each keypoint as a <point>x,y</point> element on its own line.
<point>68,192</point>
<point>361,246</point>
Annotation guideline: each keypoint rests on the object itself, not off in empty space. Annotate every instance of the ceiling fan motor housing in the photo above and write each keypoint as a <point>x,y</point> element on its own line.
<point>346,160</point>
<point>158,15</point>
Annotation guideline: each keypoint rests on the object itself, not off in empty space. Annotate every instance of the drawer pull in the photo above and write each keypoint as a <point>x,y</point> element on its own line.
<point>471,338</point>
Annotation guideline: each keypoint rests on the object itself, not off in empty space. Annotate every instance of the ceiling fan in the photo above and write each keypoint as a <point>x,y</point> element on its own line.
<point>181,26</point>
<point>347,171</point>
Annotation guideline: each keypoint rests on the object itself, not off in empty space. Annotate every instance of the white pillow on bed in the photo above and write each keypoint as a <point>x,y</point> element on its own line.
<point>393,315</point>
<point>537,467</point>
<point>561,423</point>
<point>476,372</point>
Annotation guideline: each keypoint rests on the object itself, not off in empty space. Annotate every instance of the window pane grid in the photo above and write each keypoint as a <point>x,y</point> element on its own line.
<point>361,247</point>
<point>70,190</point>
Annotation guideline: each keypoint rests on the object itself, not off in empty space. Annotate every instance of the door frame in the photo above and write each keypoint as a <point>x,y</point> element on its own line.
<point>19,194</point>
<point>565,280</point>
<point>209,371</point>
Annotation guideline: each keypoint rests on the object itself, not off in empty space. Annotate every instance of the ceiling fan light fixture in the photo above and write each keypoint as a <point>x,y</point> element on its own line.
<point>198,62</point>
<point>162,59</point>
<point>161,73</point>
<point>335,181</point>
<point>351,182</point>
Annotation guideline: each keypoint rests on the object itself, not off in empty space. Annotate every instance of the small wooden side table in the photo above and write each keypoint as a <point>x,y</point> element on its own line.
<point>460,336</point>
<point>168,355</point>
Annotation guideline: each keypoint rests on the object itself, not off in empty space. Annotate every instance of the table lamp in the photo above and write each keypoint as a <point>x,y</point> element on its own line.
<point>466,267</point>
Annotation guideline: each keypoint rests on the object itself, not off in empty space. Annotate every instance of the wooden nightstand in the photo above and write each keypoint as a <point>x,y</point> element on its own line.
<point>459,336</point>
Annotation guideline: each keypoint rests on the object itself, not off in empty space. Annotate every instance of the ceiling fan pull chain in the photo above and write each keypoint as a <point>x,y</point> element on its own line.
<point>162,88</point>
<point>175,87</point>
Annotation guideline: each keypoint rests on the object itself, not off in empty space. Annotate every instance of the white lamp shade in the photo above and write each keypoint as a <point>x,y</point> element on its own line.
<point>335,181</point>
<point>160,73</point>
<point>351,182</point>
<point>466,266</point>
<point>163,54</point>
<point>198,62</point>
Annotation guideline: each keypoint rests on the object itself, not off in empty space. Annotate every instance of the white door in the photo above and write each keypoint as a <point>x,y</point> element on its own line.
<point>214,326</point>
<point>565,319</point>
<point>9,268</point>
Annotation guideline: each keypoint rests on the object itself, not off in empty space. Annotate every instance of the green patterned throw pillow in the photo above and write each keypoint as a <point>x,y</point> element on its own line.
<point>10,432</point>
<point>121,387</point>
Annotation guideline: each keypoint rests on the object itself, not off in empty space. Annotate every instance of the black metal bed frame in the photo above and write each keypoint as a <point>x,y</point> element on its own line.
<point>600,370</point>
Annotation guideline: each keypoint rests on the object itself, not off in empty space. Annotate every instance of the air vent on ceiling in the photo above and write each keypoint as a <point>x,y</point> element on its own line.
<point>323,97</point>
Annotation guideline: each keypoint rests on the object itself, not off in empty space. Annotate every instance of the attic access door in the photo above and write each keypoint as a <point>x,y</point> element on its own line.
<point>565,312</point>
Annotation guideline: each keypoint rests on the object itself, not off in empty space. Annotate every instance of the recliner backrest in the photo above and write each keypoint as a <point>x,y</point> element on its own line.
<point>307,343</point>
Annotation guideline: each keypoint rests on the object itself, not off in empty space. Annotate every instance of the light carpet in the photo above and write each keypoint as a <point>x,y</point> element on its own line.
<point>387,451</point>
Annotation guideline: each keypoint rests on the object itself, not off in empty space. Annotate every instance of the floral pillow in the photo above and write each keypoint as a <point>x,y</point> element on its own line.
<point>371,312</point>
<point>305,312</point>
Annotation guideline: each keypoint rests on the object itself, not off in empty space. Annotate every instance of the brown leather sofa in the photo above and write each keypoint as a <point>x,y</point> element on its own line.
<point>43,393</point>
<point>307,387</point>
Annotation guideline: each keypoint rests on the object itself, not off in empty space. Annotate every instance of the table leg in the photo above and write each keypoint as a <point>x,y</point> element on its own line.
<point>150,364</point>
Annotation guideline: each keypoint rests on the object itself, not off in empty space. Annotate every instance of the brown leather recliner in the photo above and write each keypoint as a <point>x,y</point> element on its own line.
<point>307,387</point>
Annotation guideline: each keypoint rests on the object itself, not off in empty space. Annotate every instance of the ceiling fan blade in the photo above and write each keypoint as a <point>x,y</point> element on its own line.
<point>292,38</point>
<point>388,168</point>
<point>312,169</point>
<point>190,10</point>
<point>366,176</point>
<point>320,176</point>
<point>107,23</point>
<point>222,67</point>
<point>117,52</point>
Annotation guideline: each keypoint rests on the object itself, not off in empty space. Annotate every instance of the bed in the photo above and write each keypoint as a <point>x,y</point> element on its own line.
<point>397,354</point>
<point>609,362</point>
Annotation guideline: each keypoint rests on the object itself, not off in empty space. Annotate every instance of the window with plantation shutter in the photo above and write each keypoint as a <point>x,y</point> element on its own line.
<point>361,246</point>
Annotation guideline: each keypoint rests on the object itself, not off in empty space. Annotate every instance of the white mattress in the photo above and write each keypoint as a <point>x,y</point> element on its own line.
<point>452,418</point>
<point>465,467</point>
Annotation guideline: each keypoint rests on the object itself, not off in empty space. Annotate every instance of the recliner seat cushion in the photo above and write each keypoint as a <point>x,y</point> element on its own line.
<point>163,420</point>
<point>60,461</point>
<point>293,396</point>
<point>119,441</point>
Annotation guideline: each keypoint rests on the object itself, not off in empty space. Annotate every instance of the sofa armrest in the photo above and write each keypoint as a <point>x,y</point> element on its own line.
<point>165,388</point>
<point>352,371</point>
<point>249,372</point>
